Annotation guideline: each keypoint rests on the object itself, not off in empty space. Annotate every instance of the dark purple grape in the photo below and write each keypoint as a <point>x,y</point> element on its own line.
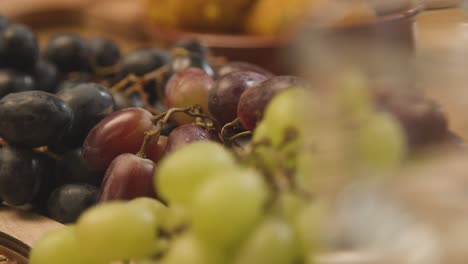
<point>103,52</point>
<point>186,134</point>
<point>46,76</point>
<point>142,61</point>
<point>224,96</point>
<point>19,47</point>
<point>118,133</point>
<point>90,103</point>
<point>234,66</point>
<point>123,101</point>
<point>68,52</point>
<point>72,169</point>
<point>67,202</point>
<point>11,82</point>
<point>193,46</point>
<point>253,101</point>
<point>34,118</point>
<point>22,172</point>
<point>190,60</point>
<point>128,177</point>
<point>73,80</point>
<point>422,120</point>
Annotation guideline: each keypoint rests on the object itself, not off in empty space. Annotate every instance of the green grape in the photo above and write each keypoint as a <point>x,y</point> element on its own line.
<point>354,97</point>
<point>159,210</point>
<point>117,230</point>
<point>307,172</point>
<point>289,205</point>
<point>227,208</point>
<point>184,170</point>
<point>286,115</point>
<point>177,216</point>
<point>187,249</point>
<point>272,242</point>
<point>58,247</point>
<point>308,228</point>
<point>380,142</point>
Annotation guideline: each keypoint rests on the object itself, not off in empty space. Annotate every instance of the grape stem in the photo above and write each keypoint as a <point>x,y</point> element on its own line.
<point>161,120</point>
<point>231,125</point>
<point>45,150</point>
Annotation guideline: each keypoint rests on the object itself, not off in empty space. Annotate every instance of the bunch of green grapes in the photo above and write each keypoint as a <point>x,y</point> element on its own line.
<point>263,206</point>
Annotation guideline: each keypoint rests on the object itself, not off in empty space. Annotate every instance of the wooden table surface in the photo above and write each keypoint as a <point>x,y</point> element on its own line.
<point>442,53</point>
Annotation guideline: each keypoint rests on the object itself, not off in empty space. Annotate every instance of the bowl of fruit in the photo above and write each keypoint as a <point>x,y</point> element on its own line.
<point>258,31</point>
<point>157,157</point>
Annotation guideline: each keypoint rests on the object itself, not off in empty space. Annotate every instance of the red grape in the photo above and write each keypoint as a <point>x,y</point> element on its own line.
<point>156,148</point>
<point>224,96</point>
<point>128,177</point>
<point>234,66</point>
<point>253,101</point>
<point>422,120</point>
<point>186,134</point>
<point>186,88</point>
<point>118,133</point>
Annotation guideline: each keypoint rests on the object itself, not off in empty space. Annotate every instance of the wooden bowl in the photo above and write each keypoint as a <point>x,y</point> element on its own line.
<point>268,51</point>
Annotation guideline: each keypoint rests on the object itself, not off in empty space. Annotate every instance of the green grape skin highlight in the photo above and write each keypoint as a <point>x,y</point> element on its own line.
<point>184,170</point>
<point>227,208</point>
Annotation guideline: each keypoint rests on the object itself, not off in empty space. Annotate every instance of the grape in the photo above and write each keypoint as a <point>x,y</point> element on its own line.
<point>160,211</point>
<point>226,208</point>
<point>181,62</point>
<point>67,202</point>
<point>253,101</point>
<point>272,242</point>
<point>421,118</point>
<point>128,177</point>
<point>20,48</point>
<point>309,227</point>
<point>68,52</point>
<point>57,247</point>
<point>73,80</point>
<point>288,112</point>
<point>168,128</point>
<point>12,82</point>
<point>187,249</point>
<point>72,169</point>
<point>46,76</point>
<point>22,173</point>
<point>33,118</point>
<point>181,172</point>
<point>193,46</point>
<point>116,230</point>
<point>224,97</point>
<point>103,52</point>
<point>186,88</point>
<point>234,66</point>
<point>90,103</point>
<point>118,133</point>
<point>156,149</point>
<point>380,142</point>
<point>122,101</point>
<point>187,134</point>
<point>142,61</point>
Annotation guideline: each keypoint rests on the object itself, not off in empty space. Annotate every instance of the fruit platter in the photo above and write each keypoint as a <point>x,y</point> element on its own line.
<point>174,153</point>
